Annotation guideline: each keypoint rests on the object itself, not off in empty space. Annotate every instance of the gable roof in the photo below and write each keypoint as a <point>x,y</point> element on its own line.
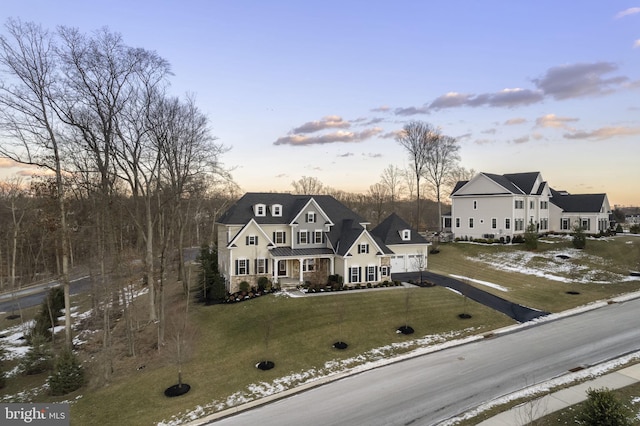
<point>242,212</point>
<point>578,203</point>
<point>389,231</point>
<point>346,225</point>
<point>514,183</point>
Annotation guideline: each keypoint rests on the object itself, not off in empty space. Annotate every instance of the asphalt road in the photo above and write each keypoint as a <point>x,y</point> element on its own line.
<point>32,296</point>
<point>432,388</point>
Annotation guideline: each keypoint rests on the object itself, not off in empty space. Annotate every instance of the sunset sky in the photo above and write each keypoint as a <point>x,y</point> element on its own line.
<point>309,88</point>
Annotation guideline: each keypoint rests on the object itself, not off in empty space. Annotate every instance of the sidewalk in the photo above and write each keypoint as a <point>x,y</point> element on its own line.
<point>524,414</point>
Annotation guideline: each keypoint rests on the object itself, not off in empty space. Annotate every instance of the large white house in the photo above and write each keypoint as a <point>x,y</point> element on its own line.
<point>291,239</point>
<point>495,206</point>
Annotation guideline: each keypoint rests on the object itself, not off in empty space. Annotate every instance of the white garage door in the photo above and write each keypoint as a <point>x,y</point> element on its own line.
<point>397,264</point>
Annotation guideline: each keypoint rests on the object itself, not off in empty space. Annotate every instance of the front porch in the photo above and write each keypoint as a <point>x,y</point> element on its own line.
<point>292,267</point>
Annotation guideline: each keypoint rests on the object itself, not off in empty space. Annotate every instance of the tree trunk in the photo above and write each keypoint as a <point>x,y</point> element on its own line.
<point>149,264</point>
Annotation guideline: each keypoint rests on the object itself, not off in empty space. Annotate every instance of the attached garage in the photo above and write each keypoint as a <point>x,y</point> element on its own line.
<point>397,264</point>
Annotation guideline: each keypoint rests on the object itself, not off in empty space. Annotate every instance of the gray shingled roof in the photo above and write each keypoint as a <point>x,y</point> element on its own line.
<point>388,231</point>
<point>578,203</point>
<point>346,223</point>
<point>515,183</point>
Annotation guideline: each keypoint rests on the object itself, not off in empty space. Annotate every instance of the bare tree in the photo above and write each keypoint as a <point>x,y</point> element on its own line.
<point>415,138</point>
<point>441,161</point>
<point>308,186</point>
<point>378,194</point>
<point>28,119</point>
<point>392,178</point>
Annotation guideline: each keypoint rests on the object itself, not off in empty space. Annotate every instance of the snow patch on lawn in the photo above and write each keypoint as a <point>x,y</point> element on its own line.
<point>484,283</point>
<point>552,266</point>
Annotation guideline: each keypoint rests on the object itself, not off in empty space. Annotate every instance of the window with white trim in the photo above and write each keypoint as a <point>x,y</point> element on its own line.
<point>252,240</point>
<point>311,217</point>
<point>242,266</point>
<point>470,222</point>
<point>544,205</point>
<point>384,271</point>
<point>457,222</point>
<point>318,237</point>
<point>519,204</point>
<point>519,225</point>
<point>308,265</point>
<point>354,274</point>
<point>544,224</point>
<point>371,273</point>
<point>406,235</point>
<point>585,224</point>
<point>262,266</point>
<point>494,223</point>
<point>276,210</point>
<point>507,223</point>
<point>363,248</point>
<point>303,237</point>
<point>532,205</point>
<point>260,209</point>
<point>565,224</point>
<point>279,237</point>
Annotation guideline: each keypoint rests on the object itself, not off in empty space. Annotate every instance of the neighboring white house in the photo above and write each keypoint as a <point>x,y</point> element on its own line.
<point>291,239</point>
<point>495,206</point>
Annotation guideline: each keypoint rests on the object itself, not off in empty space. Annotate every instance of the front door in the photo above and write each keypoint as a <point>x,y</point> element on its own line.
<point>282,268</point>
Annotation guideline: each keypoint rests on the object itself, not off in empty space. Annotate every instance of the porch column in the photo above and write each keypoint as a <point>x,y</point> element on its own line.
<point>301,277</point>
<point>275,270</point>
<point>331,266</point>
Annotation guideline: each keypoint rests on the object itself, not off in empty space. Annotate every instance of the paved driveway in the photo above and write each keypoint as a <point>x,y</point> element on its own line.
<point>513,310</point>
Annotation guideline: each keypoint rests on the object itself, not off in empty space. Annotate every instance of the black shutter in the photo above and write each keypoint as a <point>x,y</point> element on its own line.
<point>246,239</point>
<point>237,266</point>
<point>266,266</point>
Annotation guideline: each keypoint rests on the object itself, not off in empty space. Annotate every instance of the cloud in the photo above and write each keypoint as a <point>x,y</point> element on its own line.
<point>346,154</point>
<point>627,12</point>
<point>328,122</point>
<point>411,110</point>
<point>604,133</point>
<point>450,100</point>
<point>561,82</point>
<point>382,108</point>
<point>373,155</point>
<point>338,136</point>
<point>483,141</point>
<point>391,135</point>
<point>555,122</point>
<point>7,163</point>
<point>636,43</point>
<point>515,121</point>
<point>523,139</point>
<point>508,98</point>
<point>577,80</point>
<point>489,131</point>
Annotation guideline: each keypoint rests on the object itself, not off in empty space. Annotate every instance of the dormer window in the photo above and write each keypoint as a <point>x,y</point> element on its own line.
<point>311,217</point>
<point>405,234</point>
<point>260,210</point>
<point>363,248</point>
<point>276,210</point>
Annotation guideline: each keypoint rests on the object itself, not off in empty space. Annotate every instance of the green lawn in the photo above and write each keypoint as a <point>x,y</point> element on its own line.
<point>231,340</point>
